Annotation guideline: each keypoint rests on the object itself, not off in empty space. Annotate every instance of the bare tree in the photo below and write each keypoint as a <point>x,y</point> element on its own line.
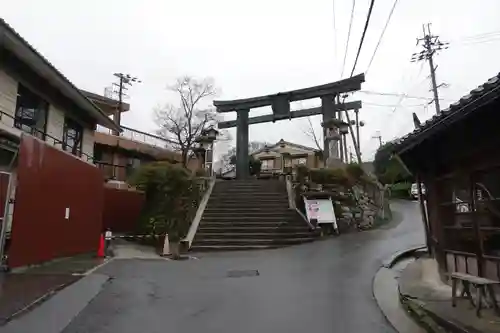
<point>182,123</point>
<point>311,133</point>
<point>229,158</point>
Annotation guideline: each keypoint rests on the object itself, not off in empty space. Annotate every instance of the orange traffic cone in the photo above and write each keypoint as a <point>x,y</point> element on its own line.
<point>100,250</point>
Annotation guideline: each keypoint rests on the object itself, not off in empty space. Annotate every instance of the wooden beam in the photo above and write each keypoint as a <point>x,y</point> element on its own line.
<point>294,114</point>
<point>338,87</point>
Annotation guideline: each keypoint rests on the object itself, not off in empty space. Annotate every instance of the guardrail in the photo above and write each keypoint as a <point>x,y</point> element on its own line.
<point>114,171</point>
<point>140,136</point>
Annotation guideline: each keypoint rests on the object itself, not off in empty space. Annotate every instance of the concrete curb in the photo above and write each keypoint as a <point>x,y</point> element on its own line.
<point>59,310</point>
<point>385,291</point>
<point>36,303</point>
<point>392,260</point>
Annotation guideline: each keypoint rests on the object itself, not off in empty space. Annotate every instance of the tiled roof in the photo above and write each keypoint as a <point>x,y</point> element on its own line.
<point>471,102</point>
<point>291,144</point>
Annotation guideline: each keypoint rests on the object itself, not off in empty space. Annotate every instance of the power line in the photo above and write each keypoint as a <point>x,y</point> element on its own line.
<point>480,36</point>
<point>396,105</point>
<point>381,35</point>
<point>348,38</point>
<point>335,54</point>
<point>404,95</point>
<point>478,42</point>
<point>363,35</point>
<point>368,92</point>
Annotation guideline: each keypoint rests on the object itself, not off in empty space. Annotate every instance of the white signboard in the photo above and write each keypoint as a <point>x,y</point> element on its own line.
<point>321,210</point>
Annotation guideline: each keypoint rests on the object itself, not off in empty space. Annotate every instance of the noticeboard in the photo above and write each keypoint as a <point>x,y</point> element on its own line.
<point>320,210</point>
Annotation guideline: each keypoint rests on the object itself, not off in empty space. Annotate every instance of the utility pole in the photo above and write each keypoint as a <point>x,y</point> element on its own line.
<point>379,137</point>
<point>431,45</point>
<point>124,80</point>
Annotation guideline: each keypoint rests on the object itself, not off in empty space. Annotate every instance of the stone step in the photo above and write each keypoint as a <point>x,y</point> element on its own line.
<point>246,218</point>
<point>249,189</point>
<point>253,241</point>
<point>265,194</point>
<point>248,210</point>
<point>252,198</point>
<point>249,196</point>
<point>220,247</point>
<point>254,235</point>
<point>246,205</point>
<point>220,229</point>
<point>257,223</point>
<point>250,181</point>
<point>260,213</point>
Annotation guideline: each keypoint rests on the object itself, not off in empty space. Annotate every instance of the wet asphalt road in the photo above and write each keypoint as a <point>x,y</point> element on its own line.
<point>324,286</point>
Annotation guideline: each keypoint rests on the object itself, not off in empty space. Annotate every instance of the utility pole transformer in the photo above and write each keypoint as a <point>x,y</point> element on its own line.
<point>124,81</point>
<point>431,45</point>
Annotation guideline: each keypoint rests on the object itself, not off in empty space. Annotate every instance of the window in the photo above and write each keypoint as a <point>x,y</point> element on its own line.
<point>134,162</point>
<point>31,113</point>
<point>267,164</point>
<point>72,137</point>
<point>299,161</point>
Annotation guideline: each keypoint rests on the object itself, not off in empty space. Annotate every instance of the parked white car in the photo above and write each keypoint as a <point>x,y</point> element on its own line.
<point>414,190</point>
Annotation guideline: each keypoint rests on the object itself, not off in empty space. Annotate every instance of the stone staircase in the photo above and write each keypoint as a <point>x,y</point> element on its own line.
<point>250,214</point>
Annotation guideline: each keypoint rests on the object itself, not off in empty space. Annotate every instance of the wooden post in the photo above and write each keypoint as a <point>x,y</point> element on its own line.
<point>475,223</point>
<point>425,220</point>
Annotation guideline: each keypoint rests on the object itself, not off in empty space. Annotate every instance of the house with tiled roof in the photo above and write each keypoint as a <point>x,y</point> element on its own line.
<point>51,192</point>
<point>283,156</point>
<point>456,155</point>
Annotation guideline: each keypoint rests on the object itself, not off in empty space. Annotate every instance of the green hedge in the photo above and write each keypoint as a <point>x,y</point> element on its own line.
<point>171,199</point>
<point>400,190</point>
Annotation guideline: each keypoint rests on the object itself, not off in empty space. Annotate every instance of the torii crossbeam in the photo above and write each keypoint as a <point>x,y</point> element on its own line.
<point>280,103</point>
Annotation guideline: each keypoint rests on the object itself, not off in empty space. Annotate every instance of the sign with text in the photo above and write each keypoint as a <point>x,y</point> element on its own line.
<point>320,210</point>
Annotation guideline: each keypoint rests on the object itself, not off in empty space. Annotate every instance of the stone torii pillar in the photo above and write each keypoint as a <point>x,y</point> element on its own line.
<point>242,159</point>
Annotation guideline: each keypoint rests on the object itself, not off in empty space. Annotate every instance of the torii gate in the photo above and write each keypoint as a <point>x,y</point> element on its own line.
<point>280,104</point>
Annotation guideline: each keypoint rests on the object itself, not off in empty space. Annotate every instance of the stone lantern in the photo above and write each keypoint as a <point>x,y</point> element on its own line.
<point>334,129</point>
<point>206,147</point>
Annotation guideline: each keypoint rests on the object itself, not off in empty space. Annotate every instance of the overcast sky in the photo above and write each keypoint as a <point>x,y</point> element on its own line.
<point>265,46</point>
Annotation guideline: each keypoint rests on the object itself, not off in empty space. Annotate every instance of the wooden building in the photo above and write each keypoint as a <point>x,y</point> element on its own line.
<point>456,154</point>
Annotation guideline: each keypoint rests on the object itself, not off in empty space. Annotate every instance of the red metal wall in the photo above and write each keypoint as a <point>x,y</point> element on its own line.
<point>49,181</point>
<point>4,183</point>
<point>122,209</point>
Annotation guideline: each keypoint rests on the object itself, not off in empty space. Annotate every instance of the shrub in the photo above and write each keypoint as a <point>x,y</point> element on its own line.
<point>330,176</point>
<point>170,194</point>
<point>302,172</point>
<point>400,190</point>
<point>255,166</point>
<point>355,171</point>
<point>200,173</point>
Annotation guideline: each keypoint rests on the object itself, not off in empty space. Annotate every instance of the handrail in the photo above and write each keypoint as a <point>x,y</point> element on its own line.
<point>291,203</point>
<point>199,214</point>
<point>46,135</point>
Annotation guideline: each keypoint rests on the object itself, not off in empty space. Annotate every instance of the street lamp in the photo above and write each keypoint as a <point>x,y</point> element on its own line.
<point>206,148</point>
<point>334,129</point>
<point>282,145</point>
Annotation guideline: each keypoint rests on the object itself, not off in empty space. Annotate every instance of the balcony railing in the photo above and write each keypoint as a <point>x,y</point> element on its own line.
<point>114,171</point>
<point>10,121</point>
<point>140,136</point>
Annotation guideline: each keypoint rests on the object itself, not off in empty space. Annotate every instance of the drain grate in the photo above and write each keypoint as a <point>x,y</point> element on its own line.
<point>242,273</point>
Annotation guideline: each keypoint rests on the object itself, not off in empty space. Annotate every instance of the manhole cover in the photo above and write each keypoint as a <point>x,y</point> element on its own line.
<point>241,273</point>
